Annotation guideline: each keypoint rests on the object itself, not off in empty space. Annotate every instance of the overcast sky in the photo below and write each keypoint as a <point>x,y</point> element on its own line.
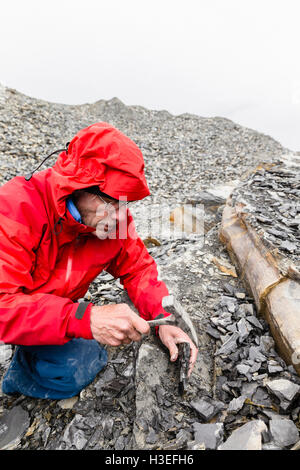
<point>234,58</point>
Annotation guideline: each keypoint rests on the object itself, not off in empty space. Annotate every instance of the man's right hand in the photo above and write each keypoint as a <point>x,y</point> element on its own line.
<point>117,324</point>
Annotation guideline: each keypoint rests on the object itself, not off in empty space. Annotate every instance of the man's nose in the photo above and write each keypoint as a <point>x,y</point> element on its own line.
<point>119,213</point>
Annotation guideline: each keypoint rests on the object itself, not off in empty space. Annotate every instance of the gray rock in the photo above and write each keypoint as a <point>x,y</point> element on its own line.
<point>288,246</point>
<point>212,332</point>
<point>6,352</point>
<point>274,367</point>
<point>266,344</point>
<point>247,437</point>
<point>248,389</point>
<point>270,446</point>
<point>243,369</point>
<point>13,424</point>
<point>244,329</point>
<point>104,377</point>
<point>181,440</point>
<point>210,435</point>
<point>229,346</point>
<point>236,404</point>
<point>256,355</point>
<point>73,436</point>
<point>246,310</point>
<point>284,432</point>
<point>204,408</point>
<point>229,302</point>
<point>152,437</point>
<point>285,390</point>
<point>108,426</point>
<point>194,445</point>
<point>254,321</point>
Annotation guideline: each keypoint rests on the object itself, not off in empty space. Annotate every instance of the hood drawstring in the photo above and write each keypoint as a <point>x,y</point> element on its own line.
<point>29,175</point>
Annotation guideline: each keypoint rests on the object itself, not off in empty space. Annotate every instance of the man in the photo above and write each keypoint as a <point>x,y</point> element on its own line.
<point>55,229</point>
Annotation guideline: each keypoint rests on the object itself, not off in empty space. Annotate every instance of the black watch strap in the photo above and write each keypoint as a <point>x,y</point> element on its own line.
<point>81,309</point>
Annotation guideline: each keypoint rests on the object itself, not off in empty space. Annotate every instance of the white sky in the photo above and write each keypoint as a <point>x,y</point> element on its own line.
<point>234,58</point>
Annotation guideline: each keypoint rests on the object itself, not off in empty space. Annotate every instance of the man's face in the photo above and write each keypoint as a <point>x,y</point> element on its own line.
<point>103,214</point>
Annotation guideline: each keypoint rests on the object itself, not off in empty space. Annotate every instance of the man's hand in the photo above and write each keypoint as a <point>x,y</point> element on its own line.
<point>172,335</point>
<point>117,324</point>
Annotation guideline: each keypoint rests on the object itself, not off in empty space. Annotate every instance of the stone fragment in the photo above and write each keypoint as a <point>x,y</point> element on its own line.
<point>229,302</point>
<point>244,329</point>
<point>285,390</point>
<point>246,437</point>
<point>212,332</point>
<point>254,321</point>
<point>256,355</point>
<point>274,367</point>
<point>256,366</point>
<point>246,309</point>
<point>151,367</point>
<point>108,425</point>
<point>151,437</point>
<point>248,389</point>
<point>270,446</point>
<point>240,295</point>
<point>243,369</point>
<point>13,424</point>
<point>236,404</point>
<point>67,403</point>
<point>182,437</point>
<point>210,435</point>
<point>266,344</point>
<point>284,432</point>
<point>6,352</point>
<point>288,246</point>
<point>194,445</point>
<point>204,408</point>
<point>229,346</point>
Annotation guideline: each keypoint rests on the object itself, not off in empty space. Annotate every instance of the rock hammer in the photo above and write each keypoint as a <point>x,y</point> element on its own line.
<point>179,317</point>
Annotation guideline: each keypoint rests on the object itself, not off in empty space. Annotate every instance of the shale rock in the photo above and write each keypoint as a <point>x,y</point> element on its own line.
<point>247,437</point>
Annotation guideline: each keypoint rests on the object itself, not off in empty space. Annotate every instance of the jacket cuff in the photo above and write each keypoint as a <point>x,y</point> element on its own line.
<point>79,323</point>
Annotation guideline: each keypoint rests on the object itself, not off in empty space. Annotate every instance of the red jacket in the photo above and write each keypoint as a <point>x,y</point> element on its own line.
<point>48,260</point>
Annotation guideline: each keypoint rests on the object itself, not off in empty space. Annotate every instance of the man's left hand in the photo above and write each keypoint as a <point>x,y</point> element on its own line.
<point>172,335</point>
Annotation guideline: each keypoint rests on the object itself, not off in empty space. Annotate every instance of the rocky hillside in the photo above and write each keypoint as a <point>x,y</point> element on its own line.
<point>134,403</point>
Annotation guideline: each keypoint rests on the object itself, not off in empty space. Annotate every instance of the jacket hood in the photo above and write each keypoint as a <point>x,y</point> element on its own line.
<point>99,155</point>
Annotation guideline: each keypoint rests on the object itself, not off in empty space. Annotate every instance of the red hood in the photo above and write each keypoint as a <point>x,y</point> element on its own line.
<point>99,155</point>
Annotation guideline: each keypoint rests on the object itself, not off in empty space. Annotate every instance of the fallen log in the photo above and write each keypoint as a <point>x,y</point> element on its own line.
<point>276,292</point>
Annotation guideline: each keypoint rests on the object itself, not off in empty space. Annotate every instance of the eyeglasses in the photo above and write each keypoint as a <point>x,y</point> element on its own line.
<point>114,204</point>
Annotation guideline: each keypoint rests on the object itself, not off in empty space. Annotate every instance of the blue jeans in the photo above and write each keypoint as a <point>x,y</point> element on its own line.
<point>54,372</point>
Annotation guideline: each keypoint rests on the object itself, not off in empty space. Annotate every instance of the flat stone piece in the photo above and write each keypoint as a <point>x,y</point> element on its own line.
<point>74,435</point>
<point>67,403</point>
<point>229,345</point>
<point>205,409</point>
<point>236,404</point>
<point>284,432</point>
<point>243,369</point>
<point>244,329</point>
<point>13,424</point>
<point>288,246</point>
<point>256,355</point>
<point>6,352</point>
<point>247,437</point>
<point>270,446</point>
<point>284,389</point>
<point>210,435</point>
<point>254,321</point>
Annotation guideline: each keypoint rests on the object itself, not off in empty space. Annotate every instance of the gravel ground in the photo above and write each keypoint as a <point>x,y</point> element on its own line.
<point>134,403</point>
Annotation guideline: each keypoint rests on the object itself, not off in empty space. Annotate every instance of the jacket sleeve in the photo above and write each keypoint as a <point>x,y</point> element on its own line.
<point>138,273</point>
<point>31,319</point>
